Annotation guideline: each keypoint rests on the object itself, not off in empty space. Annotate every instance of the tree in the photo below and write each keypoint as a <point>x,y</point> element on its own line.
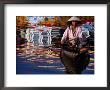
<point>21,25</point>
<point>21,21</point>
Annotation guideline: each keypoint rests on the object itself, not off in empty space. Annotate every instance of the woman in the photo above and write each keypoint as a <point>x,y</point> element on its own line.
<point>70,54</point>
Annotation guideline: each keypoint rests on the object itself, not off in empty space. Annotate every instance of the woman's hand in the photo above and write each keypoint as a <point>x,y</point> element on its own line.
<point>83,49</point>
<point>62,42</point>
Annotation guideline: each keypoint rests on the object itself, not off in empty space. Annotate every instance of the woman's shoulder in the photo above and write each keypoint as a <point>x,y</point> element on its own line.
<point>67,29</point>
<point>79,28</point>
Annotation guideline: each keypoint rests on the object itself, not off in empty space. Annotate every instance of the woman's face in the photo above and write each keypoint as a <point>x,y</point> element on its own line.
<point>74,23</point>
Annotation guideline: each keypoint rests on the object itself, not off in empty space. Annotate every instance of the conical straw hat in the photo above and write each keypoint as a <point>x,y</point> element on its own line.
<point>74,19</point>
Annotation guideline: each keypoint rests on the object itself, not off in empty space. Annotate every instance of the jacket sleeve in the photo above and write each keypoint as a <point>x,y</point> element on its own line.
<point>79,33</point>
<point>63,39</point>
